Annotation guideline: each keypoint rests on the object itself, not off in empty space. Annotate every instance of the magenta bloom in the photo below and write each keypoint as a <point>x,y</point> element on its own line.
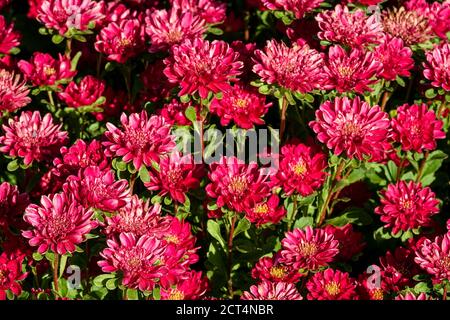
<point>301,169</point>
<point>203,66</point>
<point>351,126</point>
<point>438,14</point>
<point>270,269</point>
<point>44,70</point>
<point>436,69</point>
<point>267,290</point>
<point>141,140</point>
<point>59,224</point>
<point>65,16</point>
<point>176,176</point>
<point>267,211</point>
<point>236,185</point>
<point>12,205</point>
<point>434,257</point>
<point>136,257</point>
<point>412,296</point>
<point>244,106</point>
<point>297,7</point>
<point>190,286</point>
<point>11,272</point>
<point>354,29</point>
<point>212,11</point>
<point>405,206</point>
<point>353,71</point>
<point>331,285</point>
<point>297,68</point>
<point>86,93</point>
<point>308,249</point>
<point>174,112</point>
<point>9,39</point>
<point>351,243</point>
<point>416,128</point>
<point>13,92</point>
<point>32,137</point>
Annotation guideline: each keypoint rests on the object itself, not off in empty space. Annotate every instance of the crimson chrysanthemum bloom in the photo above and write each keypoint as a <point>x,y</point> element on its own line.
<point>141,140</point>
<point>351,243</point>
<point>434,257</point>
<point>268,211</point>
<point>69,15</point>
<point>176,175</point>
<point>331,285</point>
<point>395,56</point>
<point>202,66</point>
<point>412,296</point>
<point>97,188</point>
<point>190,286</point>
<point>212,11</point>
<point>167,28</point>
<point>59,224</point>
<point>85,93</point>
<point>44,70</point>
<point>297,68</point>
<point>267,290</point>
<point>436,67</point>
<point>405,206</point>
<point>174,112</point>
<point>301,169</point>
<point>10,273</point>
<point>352,71</point>
<point>120,41</point>
<point>32,137</point>
<point>12,205</point>
<point>416,128</point>
<point>308,249</point>
<point>138,258</point>
<point>9,39</point>
<point>354,29</point>
<point>438,14</point>
<point>297,7</point>
<point>243,106</point>
<point>270,269</point>
<point>13,92</point>
<point>236,185</point>
<point>351,127</point>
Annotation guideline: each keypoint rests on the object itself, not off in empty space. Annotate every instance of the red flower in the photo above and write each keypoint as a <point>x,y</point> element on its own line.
<point>298,7</point>
<point>12,205</point>
<point>13,92</point>
<point>331,285</point>
<point>267,211</point>
<point>270,269</point>
<point>212,11</point>
<point>86,93</point>
<point>10,273</point>
<point>189,286</point>
<point>396,58</point>
<point>435,66</point>
<point>434,257</point>
<point>174,113</point>
<point>9,39</point>
<point>351,243</point>
<point>272,291</point>
<point>412,296</point>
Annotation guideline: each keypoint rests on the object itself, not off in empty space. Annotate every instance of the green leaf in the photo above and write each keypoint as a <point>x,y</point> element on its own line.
<point>99,280</point>
<point>242,226</point>
<point>264,89</point>
<point>13,165</point>
<point>110,66</point>
<point>143,174</point>
<point>382,234</point>
<point>185,99</point>
<point>421,287</point>
<point>111,284</point>
<point>132,294</point>
<point>216,31</point>
<point>430,93</point>
<point>214,230</point>
<point>62,264</point>
<point>57,39</point>
<point>355,216</point>
<point>191,114</point>
<point>37,256</point>
<point>156,293</point>
<point>75,60</point>
<point>354,176</point>
<point>400,81</point>
<point>406,235</point>
<point>303,222</point>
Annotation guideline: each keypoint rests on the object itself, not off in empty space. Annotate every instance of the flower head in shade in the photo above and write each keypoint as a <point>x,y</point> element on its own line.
<point>405,206</point>
<point>13,92</point>
<point>70,15</point>
<point>434,257</point>
<point>308,249</point>
<point>297,68</point>
<point>236,185</point>
<point>137,258</point>
<point>10,274</point>
<point>267,290</point>
<point>412,296</point>
<point>245,51</point>
<point>352,71</point>
<point>301,169</point>
<point>212,11</point>
<point>59,224</point>
<point>85,93</point>
<point>32,137</point>
<point>44,70</point>
<point>141,140</point>
<point>12,205</point>
<point>202,66</point>
<point>270,269</point>
<point>243,106</point>
<point>351,243</point>
<point>297,7</point>
<point>351,127</point>
<point>395,57</point>
<point>189,286</point>
<point>353,29</point>
<point>436,66</point>
<point>416,128</point>
<point>267,211</point>
<point>9,39</point>
<point>331,285</point>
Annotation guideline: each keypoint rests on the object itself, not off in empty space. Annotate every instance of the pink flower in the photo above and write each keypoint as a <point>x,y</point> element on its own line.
<point>354,29</point>
<point>59,224</point>
<point>190,286</point>
<point>438,14</point>
<point>353,71</point>
<point>436,69</point>
<point>67,16</point>
<point>270,269</point>
<point>405,206</point>
<point>351,243</point>
<point>44,70</point>
<point>236,185</point>
<point>32,137</point>
<point>203,66</point>
<point>331,285</point>
<point>12,205</point>
<point>297,7</point>
<point>396,58</point>
<point>86,93</point>
<point>120,41</point>
<point>301,169</point>
<point>267,211</point>
<point>244,106</point>
<point>297,68</point>
<point>352,127</point>
<point>416,128</point>
<point>137,258</point>
<point>412,296</point>
<point>272,291</point>
<point>11,273</point>
<point>174,113</point>
<point>308,249</point>
<point>142,140</point>
<point>212,11</point>
<point>175,176</point>
<point>434,257</point>
<point>13,92</point>
<point>9,39</point>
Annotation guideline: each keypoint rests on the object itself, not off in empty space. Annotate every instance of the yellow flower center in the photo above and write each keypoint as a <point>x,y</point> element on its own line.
<point>332,288</point>
<point>377,294</point>
<point>277,272</point>
<point>308,249</point>
<point>299,168</point>
<point>262,209</point>
<point>49,71</point>
<point>238,185</point>
<point>171,238</point>
<point>176,295</point>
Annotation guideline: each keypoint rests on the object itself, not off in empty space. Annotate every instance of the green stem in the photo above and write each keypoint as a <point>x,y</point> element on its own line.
<point>52,101</point>
<point>230,255</point>
<point>284,105</point>
<point>400,168</point>
<point>68,47</point>
<point>55,272</point>
<point>422,166</point>
<point>291,219</point>
<point>132,182</point>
